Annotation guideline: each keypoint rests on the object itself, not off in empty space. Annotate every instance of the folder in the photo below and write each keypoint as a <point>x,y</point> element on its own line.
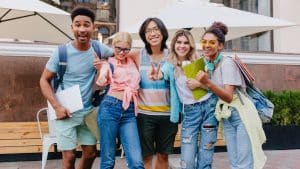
<point>190,71</point>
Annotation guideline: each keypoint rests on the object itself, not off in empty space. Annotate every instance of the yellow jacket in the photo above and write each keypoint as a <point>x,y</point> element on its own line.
<point>252,122</point>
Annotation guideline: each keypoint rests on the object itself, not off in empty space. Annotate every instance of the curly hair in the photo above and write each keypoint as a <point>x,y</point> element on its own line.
<point>219,29</point>
<point>83,11</point>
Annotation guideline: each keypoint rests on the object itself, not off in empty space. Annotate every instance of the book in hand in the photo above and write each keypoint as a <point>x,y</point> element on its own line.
<point>190,70</point>
<point>69,98</point>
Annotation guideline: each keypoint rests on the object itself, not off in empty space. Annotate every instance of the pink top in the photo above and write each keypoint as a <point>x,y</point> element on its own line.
<point>126,77</point>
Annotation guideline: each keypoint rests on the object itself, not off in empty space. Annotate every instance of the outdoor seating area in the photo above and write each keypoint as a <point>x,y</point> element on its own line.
<point>24,137</point>
<point>21,137</point>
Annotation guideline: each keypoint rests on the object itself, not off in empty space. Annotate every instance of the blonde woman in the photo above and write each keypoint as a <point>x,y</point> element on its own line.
<point>198,113</point>
<point>118,110</point>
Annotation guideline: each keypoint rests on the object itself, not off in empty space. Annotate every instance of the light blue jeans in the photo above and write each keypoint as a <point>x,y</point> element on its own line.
<point>238,142</point>
<point>198,119</point>
<point>113,120</point>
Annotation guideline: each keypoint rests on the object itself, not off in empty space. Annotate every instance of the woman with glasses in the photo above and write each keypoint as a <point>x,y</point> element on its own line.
<point>157,126</point>
<point>118,109</point>
<point>242,127</point>
<point>198,110</point>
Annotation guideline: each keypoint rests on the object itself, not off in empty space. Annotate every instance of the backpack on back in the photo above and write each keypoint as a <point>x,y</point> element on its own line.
<point>62,66</point>
<point>58,77</point>
<point>264,106</point>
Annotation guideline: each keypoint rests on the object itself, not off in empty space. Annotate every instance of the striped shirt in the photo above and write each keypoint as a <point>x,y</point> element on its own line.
<point>154,96</point>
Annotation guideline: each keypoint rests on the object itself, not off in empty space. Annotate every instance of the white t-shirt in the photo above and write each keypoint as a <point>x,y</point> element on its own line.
<point>228,73</point>
<point>184,93</point>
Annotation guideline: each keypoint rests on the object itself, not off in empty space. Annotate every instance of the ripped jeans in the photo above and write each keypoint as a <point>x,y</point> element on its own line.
<point>198,119</point>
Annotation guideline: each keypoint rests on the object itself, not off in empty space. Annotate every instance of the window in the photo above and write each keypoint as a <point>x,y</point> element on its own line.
<point>103,1</point>
<point>104,31</point>
<point>257,42</point>
<point>83,1</point>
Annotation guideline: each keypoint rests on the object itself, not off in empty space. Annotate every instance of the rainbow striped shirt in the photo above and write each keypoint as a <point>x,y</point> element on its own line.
<point>154,96</point>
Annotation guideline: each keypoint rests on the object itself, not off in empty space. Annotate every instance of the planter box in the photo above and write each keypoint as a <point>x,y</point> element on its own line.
<point>282,137</point>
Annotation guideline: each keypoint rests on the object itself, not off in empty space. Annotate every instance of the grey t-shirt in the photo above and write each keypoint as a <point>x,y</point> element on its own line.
<point>228,73</point>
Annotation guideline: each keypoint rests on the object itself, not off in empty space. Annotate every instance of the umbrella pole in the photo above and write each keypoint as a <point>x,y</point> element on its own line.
<point>35,13</point>
<point>5,14</point>
<point>53,25</point>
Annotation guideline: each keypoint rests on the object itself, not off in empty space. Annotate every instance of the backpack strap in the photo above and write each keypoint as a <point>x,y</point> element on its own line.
<point>111,68</point>
<point>96,48</point>
<point>62,53</point>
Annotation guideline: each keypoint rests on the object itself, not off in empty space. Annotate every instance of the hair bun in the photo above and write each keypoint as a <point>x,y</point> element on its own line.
<point>221,26</point>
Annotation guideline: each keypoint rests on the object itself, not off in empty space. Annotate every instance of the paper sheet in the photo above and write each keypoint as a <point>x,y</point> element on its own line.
<point>70,98</point>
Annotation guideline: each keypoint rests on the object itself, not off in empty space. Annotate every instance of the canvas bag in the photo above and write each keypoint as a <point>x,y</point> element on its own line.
<point>264,106</point>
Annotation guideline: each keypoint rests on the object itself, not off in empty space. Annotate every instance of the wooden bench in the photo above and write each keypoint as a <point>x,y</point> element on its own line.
<point>21,137</point>
<point>24,137</point>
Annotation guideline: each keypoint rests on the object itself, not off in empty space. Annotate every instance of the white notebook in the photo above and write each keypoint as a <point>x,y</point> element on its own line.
<point>70,98</point>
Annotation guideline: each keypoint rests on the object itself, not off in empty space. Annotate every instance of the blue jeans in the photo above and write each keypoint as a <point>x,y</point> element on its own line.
<point>198,119</point>
<point>238,142</point>
<point>113,120</point>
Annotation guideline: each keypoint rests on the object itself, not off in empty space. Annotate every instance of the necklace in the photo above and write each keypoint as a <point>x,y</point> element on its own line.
<point>210,66</point>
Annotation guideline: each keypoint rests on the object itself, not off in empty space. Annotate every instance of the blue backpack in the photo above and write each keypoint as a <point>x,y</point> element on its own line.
<point>57,80</point>
<point>264,106</point>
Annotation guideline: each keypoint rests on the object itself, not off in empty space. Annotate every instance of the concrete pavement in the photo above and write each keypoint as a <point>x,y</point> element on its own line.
<point>277,159</point>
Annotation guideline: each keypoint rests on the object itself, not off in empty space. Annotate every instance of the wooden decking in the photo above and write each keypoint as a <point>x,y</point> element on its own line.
<point>24,137</point>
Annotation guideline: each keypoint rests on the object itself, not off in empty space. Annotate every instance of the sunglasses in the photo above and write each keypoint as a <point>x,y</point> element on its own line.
<point>209,43</point>
<point>120,49</point>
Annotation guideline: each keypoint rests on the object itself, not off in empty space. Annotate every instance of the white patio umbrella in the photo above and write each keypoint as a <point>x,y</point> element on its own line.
<point>199,16</point>
<point>34,20</point>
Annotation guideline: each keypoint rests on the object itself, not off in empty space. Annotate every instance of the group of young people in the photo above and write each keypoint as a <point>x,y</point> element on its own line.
<point>148,93</point>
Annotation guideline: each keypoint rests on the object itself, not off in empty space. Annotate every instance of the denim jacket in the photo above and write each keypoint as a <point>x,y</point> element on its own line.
<point>176,107</point>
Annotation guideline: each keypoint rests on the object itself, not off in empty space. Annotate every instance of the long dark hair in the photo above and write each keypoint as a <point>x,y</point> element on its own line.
<point>162,29</point>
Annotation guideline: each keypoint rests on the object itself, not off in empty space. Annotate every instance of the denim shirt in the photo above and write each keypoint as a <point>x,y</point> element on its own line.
<point>176,106</point>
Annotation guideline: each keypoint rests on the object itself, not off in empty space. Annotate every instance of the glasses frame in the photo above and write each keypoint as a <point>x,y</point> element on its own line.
<point>154,30</point>
<point>119,49</point>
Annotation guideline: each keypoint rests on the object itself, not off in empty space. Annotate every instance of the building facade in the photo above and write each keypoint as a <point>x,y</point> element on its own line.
<point>281,40</point>
<point>105,11</point>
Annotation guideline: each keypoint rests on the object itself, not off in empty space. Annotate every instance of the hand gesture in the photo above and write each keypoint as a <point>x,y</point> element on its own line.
<point>202,77</point>
<point>103,75</point>
<point>98,62</point>
<point>154,72</point>
<point>62,113</point>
